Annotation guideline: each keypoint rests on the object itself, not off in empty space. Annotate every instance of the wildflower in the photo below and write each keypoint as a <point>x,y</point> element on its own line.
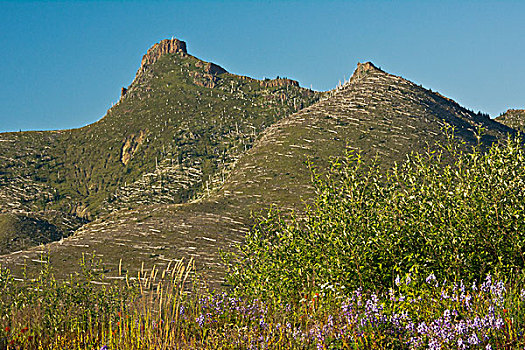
<point>23,330</point>
<point>397,280</point>
<point>408,279</point>
<point>422,328</point>
<point>434,344</point>
<point>474,340</point>
<point>104,348</point>
<point>431,278</point>
<point>7,329</point>
<point>200,320</point>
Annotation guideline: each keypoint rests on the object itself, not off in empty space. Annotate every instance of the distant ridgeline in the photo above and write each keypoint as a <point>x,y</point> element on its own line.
<point>177,129</point>
<point>186,129</point>
<point>513,118</point>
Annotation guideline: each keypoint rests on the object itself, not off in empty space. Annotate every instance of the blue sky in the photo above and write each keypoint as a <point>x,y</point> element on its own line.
<point>63,63</point>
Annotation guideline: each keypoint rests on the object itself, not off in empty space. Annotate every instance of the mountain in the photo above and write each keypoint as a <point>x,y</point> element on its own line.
<point>176,130</point>
<point>379,114</point>
<point>513,118</point>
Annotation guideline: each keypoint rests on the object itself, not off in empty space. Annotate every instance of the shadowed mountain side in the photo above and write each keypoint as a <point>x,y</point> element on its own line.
<point>375,113</point>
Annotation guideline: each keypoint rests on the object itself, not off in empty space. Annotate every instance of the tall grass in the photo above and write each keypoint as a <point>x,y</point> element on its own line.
<point>87,310</point>
<point>156,312</point>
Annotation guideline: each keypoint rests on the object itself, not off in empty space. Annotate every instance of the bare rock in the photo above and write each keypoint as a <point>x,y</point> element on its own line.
<point>164,47</point>
<point>131,145</point>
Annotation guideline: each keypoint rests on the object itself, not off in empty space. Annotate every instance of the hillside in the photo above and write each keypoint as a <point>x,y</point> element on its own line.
<point>176,131</point>
<point>377,113</point>
<point>513,118</point>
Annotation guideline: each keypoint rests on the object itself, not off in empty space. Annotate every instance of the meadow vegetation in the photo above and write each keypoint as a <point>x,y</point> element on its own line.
<point>426,255</point>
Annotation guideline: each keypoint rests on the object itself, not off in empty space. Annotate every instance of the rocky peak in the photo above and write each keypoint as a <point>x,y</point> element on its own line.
<point>364,69</point>
<point>164,47</point>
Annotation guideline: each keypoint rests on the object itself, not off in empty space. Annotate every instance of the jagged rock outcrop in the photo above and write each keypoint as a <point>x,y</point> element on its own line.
<point>156,51</point>
<point>210,68</point>
<point>514,118</point>
<point>208,78</point>
<point>363,70</point>
<point>279,82</point>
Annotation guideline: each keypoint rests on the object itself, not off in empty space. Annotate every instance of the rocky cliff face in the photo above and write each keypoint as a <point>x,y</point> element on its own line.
<point>207,78</point>
<point>166,46</point>
<point>363,70</point>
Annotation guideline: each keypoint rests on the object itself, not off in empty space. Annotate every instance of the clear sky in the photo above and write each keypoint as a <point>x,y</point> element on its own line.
<point>62,64</point>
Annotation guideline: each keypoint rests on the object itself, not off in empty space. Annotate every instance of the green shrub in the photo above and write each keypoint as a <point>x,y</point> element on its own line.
<point>457,214</point>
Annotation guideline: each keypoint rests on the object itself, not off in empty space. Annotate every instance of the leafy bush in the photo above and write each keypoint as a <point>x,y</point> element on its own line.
<point>457,214</point>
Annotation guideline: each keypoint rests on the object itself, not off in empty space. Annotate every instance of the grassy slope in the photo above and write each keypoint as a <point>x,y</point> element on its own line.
<point>378,113</point>
<point>176,135</point>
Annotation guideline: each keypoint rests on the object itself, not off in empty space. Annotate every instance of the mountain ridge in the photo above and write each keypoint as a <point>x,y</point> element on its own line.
<point>376,114</point>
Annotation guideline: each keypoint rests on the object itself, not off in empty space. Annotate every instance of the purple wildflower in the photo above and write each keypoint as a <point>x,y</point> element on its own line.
<point>431,278</point>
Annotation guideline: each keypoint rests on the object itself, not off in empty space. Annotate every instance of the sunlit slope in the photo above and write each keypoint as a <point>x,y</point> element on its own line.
<point>376,113</point>
<point>176,130</point>
<point>514,118</point>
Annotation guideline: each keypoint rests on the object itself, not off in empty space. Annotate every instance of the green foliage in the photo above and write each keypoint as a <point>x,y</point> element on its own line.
<point>459,215</point>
